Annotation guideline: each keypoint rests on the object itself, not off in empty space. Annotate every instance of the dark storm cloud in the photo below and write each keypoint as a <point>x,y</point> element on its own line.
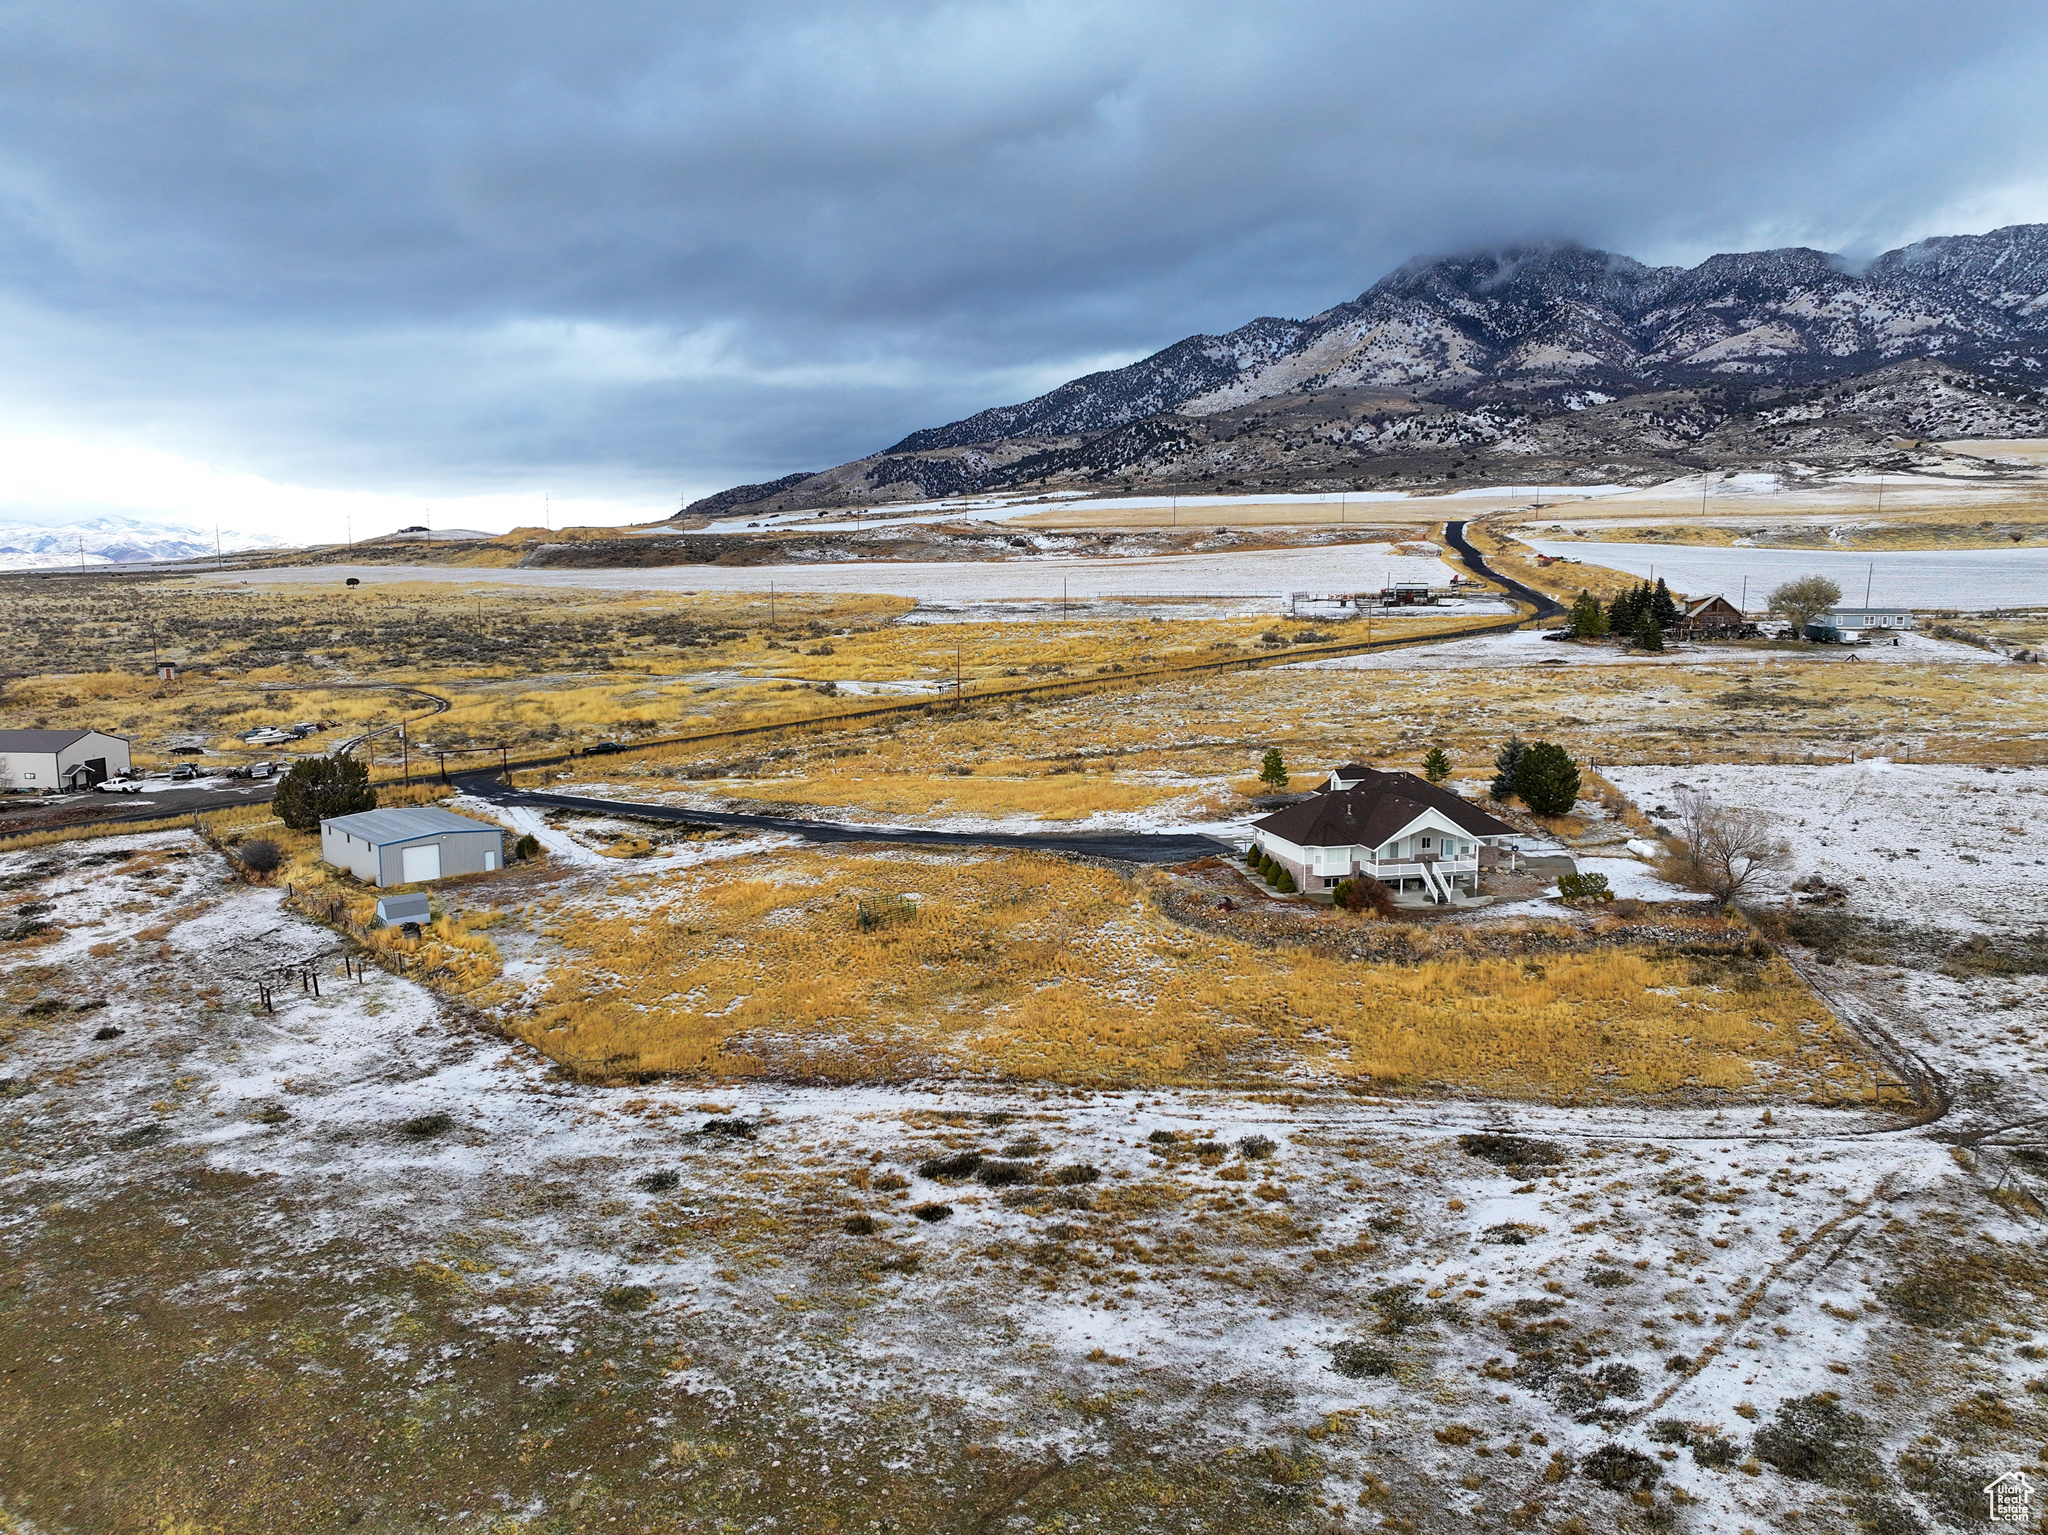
<point>438,247</point>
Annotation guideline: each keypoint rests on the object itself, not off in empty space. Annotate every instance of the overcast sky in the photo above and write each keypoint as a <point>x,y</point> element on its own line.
<point>285,263</point>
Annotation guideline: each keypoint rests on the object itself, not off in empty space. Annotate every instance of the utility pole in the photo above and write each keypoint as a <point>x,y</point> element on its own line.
<point>218,563</point>
<point>771,603</point>
<point>404,754</point>
<point>1869,576</point>
<point>956,676</point>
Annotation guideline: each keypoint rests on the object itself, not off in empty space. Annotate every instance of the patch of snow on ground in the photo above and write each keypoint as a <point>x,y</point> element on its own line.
<point>1955,847</point>
<point>1968,580</point>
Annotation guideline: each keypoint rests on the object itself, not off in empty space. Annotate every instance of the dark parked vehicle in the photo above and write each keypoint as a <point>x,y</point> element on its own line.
<point>183,771</point>
<point>602,749</point>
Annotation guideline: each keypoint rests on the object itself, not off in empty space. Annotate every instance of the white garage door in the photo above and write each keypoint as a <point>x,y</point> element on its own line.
<point>418,863</point>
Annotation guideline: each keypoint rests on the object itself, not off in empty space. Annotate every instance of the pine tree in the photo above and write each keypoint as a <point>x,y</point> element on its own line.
<point>1272,770</point>
<point>1663,606</point>
<point>1507,762</point>
<point>1436,767</point>
<point>1547,779</point>
<point>1648,636</point>
<point>1621,612</point>
<point>1587,619</point>
<point>317,788</point>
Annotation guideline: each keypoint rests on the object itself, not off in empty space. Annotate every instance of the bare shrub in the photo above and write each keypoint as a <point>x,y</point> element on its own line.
<point>628,1297</point>
<point>1620,1469</point>
<point>962,1165</point>
<point>996,1174</point>
<point>1360,1361</point>
<point>1363,893</point>
<point>1511,1150</point>
<point>261,856</point>
<point>1725,847</point>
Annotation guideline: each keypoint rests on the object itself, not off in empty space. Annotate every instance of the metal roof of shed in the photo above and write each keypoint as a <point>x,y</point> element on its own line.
<point>382,827</point>
<point>46,740</point>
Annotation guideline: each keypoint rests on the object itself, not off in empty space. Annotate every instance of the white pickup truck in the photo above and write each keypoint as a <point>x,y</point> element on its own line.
<point>118,786</point>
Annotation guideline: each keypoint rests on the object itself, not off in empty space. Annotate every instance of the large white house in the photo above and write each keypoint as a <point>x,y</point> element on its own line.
<point>1402,830</point>
<point>43,761</point>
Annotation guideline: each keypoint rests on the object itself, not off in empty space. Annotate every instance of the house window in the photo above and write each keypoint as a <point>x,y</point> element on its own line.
<point>1425,842</point>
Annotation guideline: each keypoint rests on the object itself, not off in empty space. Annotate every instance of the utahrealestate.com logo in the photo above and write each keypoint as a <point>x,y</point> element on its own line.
<point>2011,1499</point>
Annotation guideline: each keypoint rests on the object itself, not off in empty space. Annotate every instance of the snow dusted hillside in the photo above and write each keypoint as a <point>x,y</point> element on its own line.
<point>1516,352</point>
<point>26,544</point>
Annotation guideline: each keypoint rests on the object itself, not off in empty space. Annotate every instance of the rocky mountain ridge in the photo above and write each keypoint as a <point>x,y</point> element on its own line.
<point>1558,355</point>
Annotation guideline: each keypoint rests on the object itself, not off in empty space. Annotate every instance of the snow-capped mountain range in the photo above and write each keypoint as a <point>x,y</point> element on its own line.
<point>111,540</point>
<point>1487,348</point>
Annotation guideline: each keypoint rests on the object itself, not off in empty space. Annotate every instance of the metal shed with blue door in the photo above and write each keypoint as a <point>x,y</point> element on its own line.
<point>410,846</point>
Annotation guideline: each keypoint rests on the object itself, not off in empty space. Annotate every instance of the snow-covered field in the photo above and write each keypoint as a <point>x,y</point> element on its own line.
<point>1957,847</point>
<point>1528,647</point>
<point>1376,1318</point>
<point>1968,580</point>
<point>1043,580</point>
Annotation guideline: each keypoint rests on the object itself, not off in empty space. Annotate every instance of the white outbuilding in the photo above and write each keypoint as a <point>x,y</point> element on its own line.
<point>411,845</point>
<point>44,761</point>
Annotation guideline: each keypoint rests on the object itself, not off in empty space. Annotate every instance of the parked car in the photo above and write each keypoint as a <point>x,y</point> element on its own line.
<point>262,769</point>
<point>602,749</point>
<point>183,771</point>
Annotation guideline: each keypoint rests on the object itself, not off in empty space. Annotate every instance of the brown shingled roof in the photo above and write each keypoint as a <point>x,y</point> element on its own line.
<point>1373,811</point>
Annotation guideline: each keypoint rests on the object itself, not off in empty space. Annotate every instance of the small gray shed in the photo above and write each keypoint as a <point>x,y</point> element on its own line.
<point>410,846</point>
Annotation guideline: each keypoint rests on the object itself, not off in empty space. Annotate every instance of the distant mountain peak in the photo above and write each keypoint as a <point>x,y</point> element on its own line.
<point>1524,326</point>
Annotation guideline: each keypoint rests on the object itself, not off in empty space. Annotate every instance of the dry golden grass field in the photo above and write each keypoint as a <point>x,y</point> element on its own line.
<point>1028,968</point>
<point>539,668</point>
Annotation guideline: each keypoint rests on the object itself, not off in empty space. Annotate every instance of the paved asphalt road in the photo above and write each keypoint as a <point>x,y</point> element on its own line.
<point>67,811</point>
<point>1546,606</point>
<point>1131,847</point>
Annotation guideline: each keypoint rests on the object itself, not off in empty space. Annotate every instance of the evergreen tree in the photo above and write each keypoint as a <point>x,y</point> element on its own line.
<point>1547,779</point>
<point>1436,767</point>
<point>1272,770</point>
<point>1507,762</point>
<point>1621,612</point>
<point>1588,622</point>
<point>1663,605</point>
<point>1648,636</point>
<point>317,788</point>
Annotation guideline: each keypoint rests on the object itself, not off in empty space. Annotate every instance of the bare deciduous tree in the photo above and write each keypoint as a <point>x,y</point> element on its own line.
<point>1804,600</point>
<point>1726,848</point>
